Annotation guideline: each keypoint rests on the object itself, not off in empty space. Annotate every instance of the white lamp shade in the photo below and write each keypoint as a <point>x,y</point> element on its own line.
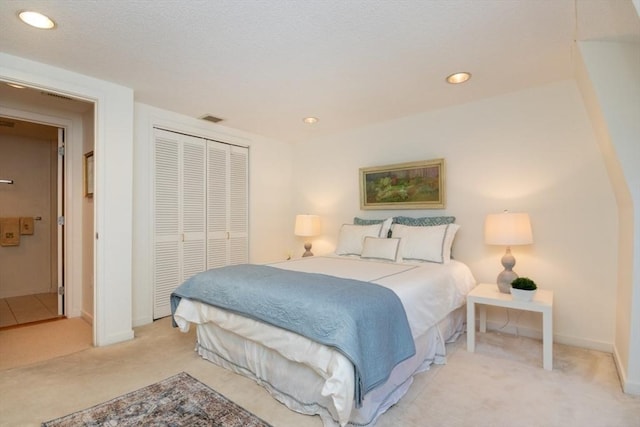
<point>508,229</point>
<point>307,225</point>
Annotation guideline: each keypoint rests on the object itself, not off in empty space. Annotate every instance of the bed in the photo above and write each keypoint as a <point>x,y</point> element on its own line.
<point>319,379</point>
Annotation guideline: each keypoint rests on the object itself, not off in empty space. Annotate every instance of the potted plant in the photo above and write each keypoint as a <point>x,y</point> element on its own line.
<point>523,289</point>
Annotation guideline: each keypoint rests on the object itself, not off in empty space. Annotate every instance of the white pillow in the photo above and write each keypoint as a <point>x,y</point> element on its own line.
<point>381,248</point>
<point>352,236</point>
<point>452,229</point>
<point>430,243</point>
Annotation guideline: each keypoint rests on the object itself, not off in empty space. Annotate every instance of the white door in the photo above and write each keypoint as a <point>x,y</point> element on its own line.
<point>239,205</point>
<point>227,204</point>
<point>180,214</point>
<point>201,210</point>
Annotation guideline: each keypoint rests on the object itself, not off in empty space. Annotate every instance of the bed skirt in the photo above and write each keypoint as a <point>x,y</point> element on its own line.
<point>301,388</point>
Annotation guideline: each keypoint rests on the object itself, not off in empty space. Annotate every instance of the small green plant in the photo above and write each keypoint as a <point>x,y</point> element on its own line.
<point>524,283</point>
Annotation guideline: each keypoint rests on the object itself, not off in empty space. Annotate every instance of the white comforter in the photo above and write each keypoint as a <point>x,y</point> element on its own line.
<point>428,292</point>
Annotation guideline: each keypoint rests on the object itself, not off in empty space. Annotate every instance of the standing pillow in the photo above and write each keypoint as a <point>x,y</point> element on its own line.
<point>381,248</point>
<point>432,243</point>
<point>351,238</point>
<point>452,229</point>
<point>385,231</point>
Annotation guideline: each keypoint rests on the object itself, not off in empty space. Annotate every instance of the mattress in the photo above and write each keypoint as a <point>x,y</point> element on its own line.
<point>315,379</point>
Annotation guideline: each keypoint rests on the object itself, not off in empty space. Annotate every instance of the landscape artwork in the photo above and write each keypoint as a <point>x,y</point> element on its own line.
<point>415,185</point>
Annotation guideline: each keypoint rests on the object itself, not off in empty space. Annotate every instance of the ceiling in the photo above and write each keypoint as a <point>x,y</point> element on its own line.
<point>264,65</point>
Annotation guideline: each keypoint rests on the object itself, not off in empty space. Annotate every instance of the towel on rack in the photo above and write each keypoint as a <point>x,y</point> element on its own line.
<point>9,232</point>
<point>26,225</point>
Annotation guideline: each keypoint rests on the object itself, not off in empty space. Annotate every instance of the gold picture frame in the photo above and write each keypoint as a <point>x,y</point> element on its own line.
<point>88,174</point>
<point>415,185</point>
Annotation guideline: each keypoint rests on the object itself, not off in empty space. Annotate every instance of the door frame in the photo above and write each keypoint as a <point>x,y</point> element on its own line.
<point>72,232</point>
<point>113,140</point>
<point>60,243</point>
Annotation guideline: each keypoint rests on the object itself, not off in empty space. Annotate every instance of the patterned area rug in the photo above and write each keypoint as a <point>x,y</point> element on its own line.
<point>177,401</point>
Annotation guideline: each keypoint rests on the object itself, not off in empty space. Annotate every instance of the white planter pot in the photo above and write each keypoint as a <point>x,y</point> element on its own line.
<point>522,295</point>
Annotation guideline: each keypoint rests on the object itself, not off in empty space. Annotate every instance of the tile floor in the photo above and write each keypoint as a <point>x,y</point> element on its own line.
<point>27,309</point>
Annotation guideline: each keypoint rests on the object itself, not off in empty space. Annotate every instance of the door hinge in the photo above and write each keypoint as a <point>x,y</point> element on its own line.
<point>60,290</point>
<point>61,220</point>
<point>61,150</point>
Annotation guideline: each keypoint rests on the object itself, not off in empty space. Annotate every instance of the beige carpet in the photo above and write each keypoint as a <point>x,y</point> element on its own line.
<point>502,384</point>
<point>34,343</point>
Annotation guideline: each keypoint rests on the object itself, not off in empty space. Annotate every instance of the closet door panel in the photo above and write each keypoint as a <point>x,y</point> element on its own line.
<point>217,253</point>
<point>239,206</point>
<point>217,204</point>
<point>193,206</point>
<point>167,252</point>
<point>167,276</point>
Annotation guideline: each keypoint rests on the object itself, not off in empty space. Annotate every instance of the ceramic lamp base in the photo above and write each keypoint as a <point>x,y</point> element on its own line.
<point>307,250</point>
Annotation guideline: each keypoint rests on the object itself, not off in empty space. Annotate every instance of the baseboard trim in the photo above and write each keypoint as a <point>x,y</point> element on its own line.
<point>116,338</point>
<point>87,317</point>
<point>604,347</point>
<point>628,387</point>
<point>141,321</point>
<point>557,338</point>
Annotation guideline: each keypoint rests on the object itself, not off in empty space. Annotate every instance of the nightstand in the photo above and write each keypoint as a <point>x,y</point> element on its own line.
<point>488,294</point>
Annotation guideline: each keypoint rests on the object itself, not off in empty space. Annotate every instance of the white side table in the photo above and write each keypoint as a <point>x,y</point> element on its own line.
<point>488,294</point>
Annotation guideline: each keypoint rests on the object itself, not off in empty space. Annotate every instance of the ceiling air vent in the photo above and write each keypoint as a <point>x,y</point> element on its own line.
<point>210,118</point>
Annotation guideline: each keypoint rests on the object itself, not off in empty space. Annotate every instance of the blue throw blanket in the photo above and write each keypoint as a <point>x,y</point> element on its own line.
<point>364,321</point>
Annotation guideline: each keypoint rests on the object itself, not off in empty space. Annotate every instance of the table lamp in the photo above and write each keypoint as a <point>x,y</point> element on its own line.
<point>507,229</point>
<point>307,226</point>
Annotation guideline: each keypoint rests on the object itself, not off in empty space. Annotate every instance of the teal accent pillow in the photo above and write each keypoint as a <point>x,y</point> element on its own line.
<point>362,221</point>
<point>424,221</point>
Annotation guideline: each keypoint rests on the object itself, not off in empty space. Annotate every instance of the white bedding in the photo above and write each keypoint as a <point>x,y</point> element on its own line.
<point>429,292</point>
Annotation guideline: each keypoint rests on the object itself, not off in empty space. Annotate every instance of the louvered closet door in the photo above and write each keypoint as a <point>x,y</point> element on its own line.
<point>180,214</point>
<point>227,205</point>
<point>194,247</point>
<point>217,204</point>
<point>239,206</point>
<point>167,244</point>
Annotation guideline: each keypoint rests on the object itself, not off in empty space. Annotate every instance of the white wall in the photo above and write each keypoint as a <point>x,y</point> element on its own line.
<point>531,151</point>
<point>113,197</point>
<point>270,186</point>
<point>610,82</point>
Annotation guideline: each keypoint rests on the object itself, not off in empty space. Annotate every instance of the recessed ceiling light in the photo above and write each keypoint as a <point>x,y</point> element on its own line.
<point>36,19</point>
<point>15,85</point>
<point>310,120</point>
<point>456,78</point>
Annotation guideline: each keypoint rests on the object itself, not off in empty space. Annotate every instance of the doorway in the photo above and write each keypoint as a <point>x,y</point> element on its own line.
<point>77,118</point>
<point>31,243</point>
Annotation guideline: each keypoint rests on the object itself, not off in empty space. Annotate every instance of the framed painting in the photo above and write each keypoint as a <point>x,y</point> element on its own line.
<point>88,174</point>
<point>416,185</point>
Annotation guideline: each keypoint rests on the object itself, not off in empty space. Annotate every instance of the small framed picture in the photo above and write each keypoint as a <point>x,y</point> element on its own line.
<point>88,174</point>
